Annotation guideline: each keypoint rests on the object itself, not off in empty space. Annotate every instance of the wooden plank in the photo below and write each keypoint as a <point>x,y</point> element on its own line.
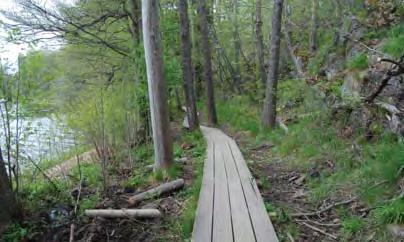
<point>242,225</point>
<point>222,223</point>
<point>202,231</point>
<point>263,227</point>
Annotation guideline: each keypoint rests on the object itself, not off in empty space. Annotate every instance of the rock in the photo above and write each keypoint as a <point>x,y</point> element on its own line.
<point>60,215</point>
<point>396,230</point>
<point>353,83</point>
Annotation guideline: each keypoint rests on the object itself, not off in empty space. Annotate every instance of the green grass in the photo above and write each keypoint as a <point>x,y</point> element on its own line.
<point>371,170</point>
<point>352,225</point>
<point>394,44</point>
<point>391,212</point>
<point>358,62</point>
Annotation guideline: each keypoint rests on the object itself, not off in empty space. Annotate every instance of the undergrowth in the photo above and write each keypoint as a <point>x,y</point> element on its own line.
<point>370,169</point>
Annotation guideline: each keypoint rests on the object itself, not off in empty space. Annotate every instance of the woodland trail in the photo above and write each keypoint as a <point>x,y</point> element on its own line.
<point>230,206</point>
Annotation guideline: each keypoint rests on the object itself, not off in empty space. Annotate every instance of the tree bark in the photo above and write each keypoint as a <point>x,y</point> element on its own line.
<point>269,110</point>
<point>163,149</point>
<point>237,44</point>
<point>314,26</point>
<point>157,191</point>
<point>291,48</point>
<point>135,19</point>
<point>260,42</point>
<point>7,199</point>
<point>207,61</point>
<point>123,213</point>
<point>189,91</point>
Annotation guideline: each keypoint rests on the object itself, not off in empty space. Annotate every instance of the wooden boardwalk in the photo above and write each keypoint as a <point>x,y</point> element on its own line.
<point>230,207</point>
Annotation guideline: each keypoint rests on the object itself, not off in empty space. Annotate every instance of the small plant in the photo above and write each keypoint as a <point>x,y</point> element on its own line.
<point>394,46</point>
<point>352,225</point>
<point>391,213</point>
<point>15,232</point>
<point>358,62</point>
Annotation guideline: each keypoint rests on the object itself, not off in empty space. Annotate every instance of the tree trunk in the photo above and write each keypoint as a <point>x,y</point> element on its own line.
<point>7,199</point>
<point>189,91</point>
<point>163,149</point>
<point>314,26</point>
<point>269,110</point>
<point>123,213</point>
<point>291,48</point>
<point>135,19</point>
<point>157,191</point>
<point>260,42</point>
<point>237,44</point>
<point>340,23</point>
<point>207,62</point>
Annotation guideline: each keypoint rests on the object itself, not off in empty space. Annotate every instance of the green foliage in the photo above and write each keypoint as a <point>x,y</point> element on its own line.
<point>352,225</point>
<point>391,212</point>
<point>88,203</point>
<point>14,233</point>
<point>358,62</point>
<point>91,174</point>
<point>395,47</point>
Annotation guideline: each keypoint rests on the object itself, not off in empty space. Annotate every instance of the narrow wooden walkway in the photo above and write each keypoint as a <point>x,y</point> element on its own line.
<point>230,207</point>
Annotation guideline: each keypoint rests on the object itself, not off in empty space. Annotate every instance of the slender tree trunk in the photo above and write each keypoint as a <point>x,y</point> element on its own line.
<point>207,62</point>
<point>7,199</point>
<point>291,48</point>
<point>135,19</point>
<point>340,23</point>
<point>163,149</point>
<point>260,42</point>
<point>237,44</point>
<point>189,91</point>
<point>269,110</point>
<point>314,26</point>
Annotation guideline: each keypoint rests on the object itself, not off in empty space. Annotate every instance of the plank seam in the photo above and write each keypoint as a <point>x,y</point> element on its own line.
<point>228,196</point>
<point>214,184</point>
<point>242,188</point>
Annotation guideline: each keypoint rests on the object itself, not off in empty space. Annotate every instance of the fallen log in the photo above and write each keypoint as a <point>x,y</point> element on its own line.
<point>157,191</point>
<point>123,213</point>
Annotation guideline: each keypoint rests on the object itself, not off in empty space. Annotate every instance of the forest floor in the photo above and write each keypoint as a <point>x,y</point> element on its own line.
<point>284,191</point>
<point>287,191</point>
<point>50,215</point>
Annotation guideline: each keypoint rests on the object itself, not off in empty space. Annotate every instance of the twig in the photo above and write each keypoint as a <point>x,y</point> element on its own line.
<point>325,209</point>
<point>335,204</point>
<point>319,230</point>
<point>290,237</point>
<point>318,223</point>
<point>390,74</point>
<point>44,174</point>
<point>72,227</point>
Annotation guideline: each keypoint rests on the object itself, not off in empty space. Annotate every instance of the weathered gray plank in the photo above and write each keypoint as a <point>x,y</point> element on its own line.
<point>242,226</point>
<point>202,231</point>
<point>230,207</point>
<point>263,228</point>
<point>222,224</point>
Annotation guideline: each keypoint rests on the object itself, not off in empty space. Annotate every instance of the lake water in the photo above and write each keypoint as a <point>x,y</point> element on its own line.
<point>43,138</point>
